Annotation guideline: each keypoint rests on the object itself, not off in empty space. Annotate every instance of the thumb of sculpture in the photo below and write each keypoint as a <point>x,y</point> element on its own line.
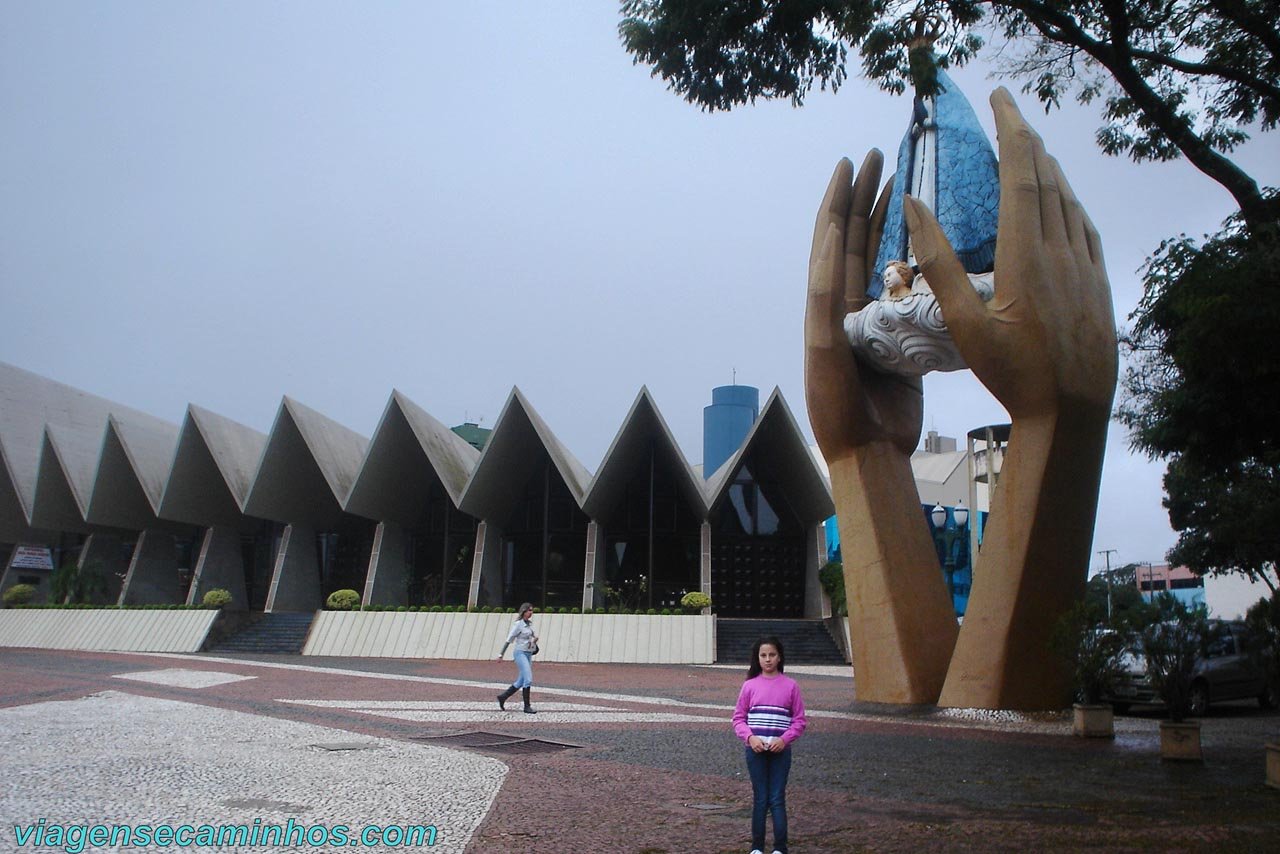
<point>961,306</point>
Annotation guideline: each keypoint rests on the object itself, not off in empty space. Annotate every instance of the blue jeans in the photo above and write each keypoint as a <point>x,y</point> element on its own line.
<point>524,664</point>
<point>769,793</point>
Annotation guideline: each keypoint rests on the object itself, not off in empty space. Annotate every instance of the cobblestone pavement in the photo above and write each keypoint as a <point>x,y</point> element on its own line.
<point>653,767</point>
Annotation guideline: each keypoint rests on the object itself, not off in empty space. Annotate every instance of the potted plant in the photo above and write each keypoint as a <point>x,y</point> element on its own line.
<point>1092,652</point>
<point>1172,645</point>
<point>1263,619</point>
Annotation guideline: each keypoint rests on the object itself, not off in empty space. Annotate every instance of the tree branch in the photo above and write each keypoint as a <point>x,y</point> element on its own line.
<point>1117,57</point>
<point>1267,90</point>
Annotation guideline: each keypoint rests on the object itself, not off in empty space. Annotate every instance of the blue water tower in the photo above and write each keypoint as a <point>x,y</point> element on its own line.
<point>726,423</point>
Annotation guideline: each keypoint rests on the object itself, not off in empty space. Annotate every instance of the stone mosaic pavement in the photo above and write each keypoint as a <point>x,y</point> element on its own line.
<point>96,737</point>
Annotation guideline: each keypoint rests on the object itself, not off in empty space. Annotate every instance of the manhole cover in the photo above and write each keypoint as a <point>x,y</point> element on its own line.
<point>346,745</point>
<point>478,738</point>
<point>497,742</point>
<point>529,745</point>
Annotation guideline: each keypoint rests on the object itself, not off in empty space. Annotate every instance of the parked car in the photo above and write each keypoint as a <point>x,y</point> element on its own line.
<point>1232,668</point>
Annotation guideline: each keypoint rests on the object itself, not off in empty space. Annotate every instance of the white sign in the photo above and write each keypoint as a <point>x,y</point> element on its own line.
<point>31,557</point>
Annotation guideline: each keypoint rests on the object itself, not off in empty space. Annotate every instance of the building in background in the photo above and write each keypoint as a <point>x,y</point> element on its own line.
<point>1184,585</point>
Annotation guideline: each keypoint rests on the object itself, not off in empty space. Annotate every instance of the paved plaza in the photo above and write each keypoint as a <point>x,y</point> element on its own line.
<point>625,758</point>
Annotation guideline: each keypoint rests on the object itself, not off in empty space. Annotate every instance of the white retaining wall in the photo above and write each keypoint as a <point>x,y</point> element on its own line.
<point>622,639</point>
<point>106,631</point>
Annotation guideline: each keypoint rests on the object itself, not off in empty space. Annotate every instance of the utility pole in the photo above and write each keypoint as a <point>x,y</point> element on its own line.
<point>1107,553</point>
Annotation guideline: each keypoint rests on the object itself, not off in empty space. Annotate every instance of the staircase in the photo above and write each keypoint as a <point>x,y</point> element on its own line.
<point>803,641</point>
<point>272,634</point>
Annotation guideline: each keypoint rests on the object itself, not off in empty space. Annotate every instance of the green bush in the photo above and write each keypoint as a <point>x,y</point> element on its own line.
<point>695,601</point>
<point>343,600</point>
<point>831,577</point>
<point>19,594</point>
<point>216,598</point>
<point>666,612</point>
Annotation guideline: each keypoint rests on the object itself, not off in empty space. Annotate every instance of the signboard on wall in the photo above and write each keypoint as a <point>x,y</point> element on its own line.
<point>31,557</point>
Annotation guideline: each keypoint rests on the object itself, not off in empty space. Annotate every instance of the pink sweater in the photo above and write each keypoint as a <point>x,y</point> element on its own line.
<point>769,707</point>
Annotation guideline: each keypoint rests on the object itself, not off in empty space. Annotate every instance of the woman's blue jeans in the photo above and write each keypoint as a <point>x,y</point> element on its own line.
<point>769,793</point>
<point>524,664</point>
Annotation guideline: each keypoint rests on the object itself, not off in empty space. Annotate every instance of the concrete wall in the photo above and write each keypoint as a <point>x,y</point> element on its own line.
<point>220,567</point>
<point>152,578</point>
<point>635,639</point>
<point>106,630</point>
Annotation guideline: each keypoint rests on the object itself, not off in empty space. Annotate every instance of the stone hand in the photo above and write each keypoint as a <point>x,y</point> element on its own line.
<point>1045,346</point>
<point>867,424</point>
<point>1047,339</point>
<point>851,406</point>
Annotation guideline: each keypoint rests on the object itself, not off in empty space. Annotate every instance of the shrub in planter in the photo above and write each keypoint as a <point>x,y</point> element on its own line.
<point>216,598</point>
<point>666,612</point>
<point>343,600</point>
<point>695,601</point>
<point>1263,619</point>
<point>1091,651</point>
<point>1172,645</point>
<point>19,594</point>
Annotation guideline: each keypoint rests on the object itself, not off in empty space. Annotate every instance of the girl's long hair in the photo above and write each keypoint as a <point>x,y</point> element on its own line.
<point>754,670</point>
<point>524,606</point>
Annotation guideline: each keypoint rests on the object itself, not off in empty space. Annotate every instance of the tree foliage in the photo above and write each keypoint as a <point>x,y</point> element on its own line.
<point>1174,77</point>
<point>1200,389</point>
<point>74,584</point>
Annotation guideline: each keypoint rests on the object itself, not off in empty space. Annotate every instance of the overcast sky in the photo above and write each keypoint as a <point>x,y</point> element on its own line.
<point>225,203</point>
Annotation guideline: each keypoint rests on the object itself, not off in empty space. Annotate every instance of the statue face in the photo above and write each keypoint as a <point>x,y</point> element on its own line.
<point>892,278</point>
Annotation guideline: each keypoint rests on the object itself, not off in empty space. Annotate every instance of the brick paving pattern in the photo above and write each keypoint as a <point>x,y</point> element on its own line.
<point>658,769</point>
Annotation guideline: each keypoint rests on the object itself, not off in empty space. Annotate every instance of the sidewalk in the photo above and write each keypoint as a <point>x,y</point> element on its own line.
<point>654,767</point>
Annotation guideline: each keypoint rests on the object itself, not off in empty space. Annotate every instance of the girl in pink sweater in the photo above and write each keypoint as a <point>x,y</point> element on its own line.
<point>769,716</point>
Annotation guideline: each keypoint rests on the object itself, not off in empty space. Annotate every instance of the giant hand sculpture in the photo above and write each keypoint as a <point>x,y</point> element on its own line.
<point>1045,346</point>
<point>867,424</point>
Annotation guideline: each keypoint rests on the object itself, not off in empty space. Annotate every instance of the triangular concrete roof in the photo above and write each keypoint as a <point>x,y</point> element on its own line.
<point>133,466</point>
<point>13,519</point>
<point>791,464</point>
<point>213,469</point>
<point>408,452</point>
<point>643,423</point>
<point>27,403</point>
<point>505,462</point>
<point>307,468</point>
<point>64,480</point>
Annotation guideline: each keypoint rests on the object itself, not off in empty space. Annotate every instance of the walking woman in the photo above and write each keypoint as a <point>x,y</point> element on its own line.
<point>768,718</point>
<point>526,642</point>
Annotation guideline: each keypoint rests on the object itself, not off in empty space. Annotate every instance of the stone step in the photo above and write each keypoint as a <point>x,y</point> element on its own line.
<point>281,634</point>
<point>803,641</point>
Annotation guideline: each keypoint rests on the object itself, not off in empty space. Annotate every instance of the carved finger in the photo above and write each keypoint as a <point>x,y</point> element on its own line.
<point>1052,221</point>
<point>962,308</point>
<point>1072,213</point>
<point>876,231</point>
<point>860,205</point>
<point>822,326</point>
<point>1019,186</point>
<point>834,208</point>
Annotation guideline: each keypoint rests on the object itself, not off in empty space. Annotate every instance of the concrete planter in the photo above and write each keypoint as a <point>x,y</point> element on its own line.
<point>1180,742</point>
<point>1273,765</point>
<point>1093,721</point>
<point>579,638</point>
